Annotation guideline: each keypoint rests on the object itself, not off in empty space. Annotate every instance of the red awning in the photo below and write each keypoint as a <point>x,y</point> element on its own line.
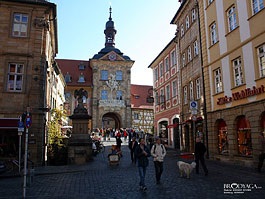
<point>9,123</point>
<point>172,125</point>
<point>222,124</point>
<point>243,124</point>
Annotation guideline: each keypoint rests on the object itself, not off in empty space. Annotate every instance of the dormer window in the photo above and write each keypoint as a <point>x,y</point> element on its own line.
<point>81,78</point>
<point>81,66</point>
<point>68,78</point>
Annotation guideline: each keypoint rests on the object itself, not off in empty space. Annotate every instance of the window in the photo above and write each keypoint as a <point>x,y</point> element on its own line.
<point>185,94</point>
<point>244,140</point>
<point>193,15</point>
<point>218,81</point>
<point>156,98</point>
<point>198,88</point>
<point>213,33</point>
<point>210,1</point>
<point>81,78</point>
<point>181,30</point>
<point>174,89</point>
<point>257,5</point>
<point>162,96</point>
<point>104,75</point>
<point>104,94</point>
<point>191,91</point>
<point>156,74</point>
<point>183,60</point>
<point>167,92</point>
<point>223,138</point>
<point>119,95</point>
<point>119,75</point>
<point>161,67</point>
<point>187,22</point>
<point>81,66</point>
<point>189,54</point>
<point>68,78</point>
<point>196,49</point>
<point>136,116</point>
<point>15,77</point>
<point>238,74</point>
<point>20,25</point>
<point>167,64</point>
<point>173,58</point>
<point>231,14</point>
<point>261,57</point>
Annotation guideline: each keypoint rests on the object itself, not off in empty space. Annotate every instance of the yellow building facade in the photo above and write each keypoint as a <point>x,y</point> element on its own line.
<point>233,47</point>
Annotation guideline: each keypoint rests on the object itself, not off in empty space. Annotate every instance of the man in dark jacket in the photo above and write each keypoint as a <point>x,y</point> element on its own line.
<point>142,153</point>
<point>200,150</point>
<point>132,146</point>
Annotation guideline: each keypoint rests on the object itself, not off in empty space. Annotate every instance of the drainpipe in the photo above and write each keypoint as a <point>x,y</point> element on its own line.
<point>203,80</point>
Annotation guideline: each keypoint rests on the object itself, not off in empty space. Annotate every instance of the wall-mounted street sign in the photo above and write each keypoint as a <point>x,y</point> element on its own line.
<point>28,121</point>
<point>20,127</point>
<point>193,105</point>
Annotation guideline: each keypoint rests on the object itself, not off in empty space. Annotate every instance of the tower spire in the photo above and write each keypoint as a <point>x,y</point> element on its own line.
<point>110,31</point>
<point>110,13</point>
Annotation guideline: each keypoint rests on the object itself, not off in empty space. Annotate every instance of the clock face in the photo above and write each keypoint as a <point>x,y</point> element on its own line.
<point>112,56</point>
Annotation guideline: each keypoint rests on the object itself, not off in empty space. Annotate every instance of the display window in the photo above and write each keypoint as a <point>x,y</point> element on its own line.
<point>244,137</point>
<point>223,144</point>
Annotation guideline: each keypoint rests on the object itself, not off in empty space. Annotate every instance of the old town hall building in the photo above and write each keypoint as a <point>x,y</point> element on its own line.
<point>111,83</point>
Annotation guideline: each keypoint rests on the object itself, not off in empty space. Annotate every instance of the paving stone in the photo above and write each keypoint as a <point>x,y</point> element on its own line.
<point>97,179</point>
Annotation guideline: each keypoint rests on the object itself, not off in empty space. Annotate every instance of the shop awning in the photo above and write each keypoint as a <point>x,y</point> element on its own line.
<point>243,124</point>
<point>173,125</point>
<point>9,123</point>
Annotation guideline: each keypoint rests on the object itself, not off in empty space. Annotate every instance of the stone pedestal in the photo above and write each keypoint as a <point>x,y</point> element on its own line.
<point>80,142</point>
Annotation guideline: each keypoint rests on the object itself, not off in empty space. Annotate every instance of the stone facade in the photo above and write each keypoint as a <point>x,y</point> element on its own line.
<point>111,83</point>
<point>28,45</point>
<point>235,100</point>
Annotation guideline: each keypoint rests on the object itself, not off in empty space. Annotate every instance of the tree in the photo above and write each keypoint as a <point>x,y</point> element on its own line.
<point>57,149</point>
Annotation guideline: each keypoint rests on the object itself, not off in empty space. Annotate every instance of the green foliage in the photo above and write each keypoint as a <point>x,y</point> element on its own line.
<point>54,127</point>
<point>57,149</point>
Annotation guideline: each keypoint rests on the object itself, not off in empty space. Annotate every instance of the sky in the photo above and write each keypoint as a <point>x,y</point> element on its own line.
<point>143,30</point>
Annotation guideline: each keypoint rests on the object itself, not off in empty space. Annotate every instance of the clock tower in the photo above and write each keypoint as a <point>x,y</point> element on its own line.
<point>110,32</point>
<point>111,102</point>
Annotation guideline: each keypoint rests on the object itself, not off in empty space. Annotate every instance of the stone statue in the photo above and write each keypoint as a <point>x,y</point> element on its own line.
<point>79,94</point>
<point>112,84</point>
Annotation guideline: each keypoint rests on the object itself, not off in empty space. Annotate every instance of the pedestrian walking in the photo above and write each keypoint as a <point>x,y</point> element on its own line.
<point>132,146</point>
<point>200,150</point>
<point>262,150</point>
<point>142,153</point>
<point>158,152</point>
<point>118,143</point>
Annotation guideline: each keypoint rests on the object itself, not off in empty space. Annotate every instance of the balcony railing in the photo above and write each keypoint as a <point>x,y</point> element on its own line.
<point>113,103</point>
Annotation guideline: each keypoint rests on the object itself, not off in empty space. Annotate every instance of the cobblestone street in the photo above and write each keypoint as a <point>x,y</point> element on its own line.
<point>97,179</point>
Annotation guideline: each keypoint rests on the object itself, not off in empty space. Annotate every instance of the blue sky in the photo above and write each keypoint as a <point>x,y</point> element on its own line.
<point>143,30</point>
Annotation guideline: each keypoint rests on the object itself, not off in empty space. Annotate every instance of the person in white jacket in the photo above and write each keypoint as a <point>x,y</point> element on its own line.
<point>158,152</point>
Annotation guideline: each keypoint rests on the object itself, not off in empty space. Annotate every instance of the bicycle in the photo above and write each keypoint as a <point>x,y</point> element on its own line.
<point>12,166</point>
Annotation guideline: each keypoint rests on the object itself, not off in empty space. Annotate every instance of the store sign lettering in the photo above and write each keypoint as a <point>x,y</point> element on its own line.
<point>248,92</point>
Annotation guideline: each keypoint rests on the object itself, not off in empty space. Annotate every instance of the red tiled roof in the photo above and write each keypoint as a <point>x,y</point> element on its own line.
<point>71,67</point>
<point>139,93</point>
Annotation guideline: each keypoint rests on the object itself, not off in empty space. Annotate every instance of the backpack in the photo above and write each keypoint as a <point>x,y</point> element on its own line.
<point>162,146</point>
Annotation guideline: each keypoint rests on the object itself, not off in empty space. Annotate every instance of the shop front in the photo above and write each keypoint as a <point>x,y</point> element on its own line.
<point>9,139</point>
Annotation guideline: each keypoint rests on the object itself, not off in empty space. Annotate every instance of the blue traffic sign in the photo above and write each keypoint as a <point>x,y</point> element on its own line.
<point>28,121</point>
<point>20,124</point>
<point>193,105</point>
